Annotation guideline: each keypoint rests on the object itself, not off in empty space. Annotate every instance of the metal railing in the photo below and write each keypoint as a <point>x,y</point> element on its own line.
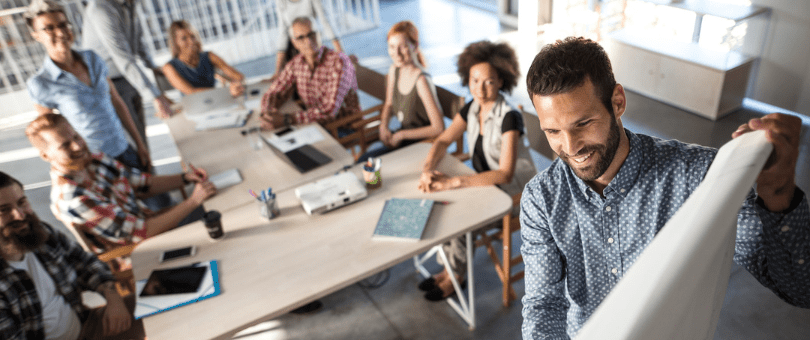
<point>238,30</point>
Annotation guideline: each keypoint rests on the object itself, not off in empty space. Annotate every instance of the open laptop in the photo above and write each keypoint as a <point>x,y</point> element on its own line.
<point>214,109</point>
<point>302,156</point>
<point>331,193</point>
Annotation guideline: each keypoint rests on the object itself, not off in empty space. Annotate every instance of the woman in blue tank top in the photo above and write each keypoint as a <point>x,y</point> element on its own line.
<point>192,70</point>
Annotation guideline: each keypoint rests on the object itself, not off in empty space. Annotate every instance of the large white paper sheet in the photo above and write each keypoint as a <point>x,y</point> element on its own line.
<point>676,287</point>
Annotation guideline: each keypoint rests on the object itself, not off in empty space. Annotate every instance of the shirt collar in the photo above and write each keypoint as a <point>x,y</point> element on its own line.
<point>500,107</point>
<point>627,175</point>
<point>51,69</point>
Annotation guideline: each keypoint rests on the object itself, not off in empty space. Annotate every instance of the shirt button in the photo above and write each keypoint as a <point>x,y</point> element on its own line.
<point>801,261</point>
<point>614,270</point>
<point>610,240</point>
<point>785,228</point>
<point>608,208</point>
<point>622,190</point>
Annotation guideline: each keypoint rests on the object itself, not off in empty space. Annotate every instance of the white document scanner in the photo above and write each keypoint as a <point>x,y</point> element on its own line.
<point>331,192</point>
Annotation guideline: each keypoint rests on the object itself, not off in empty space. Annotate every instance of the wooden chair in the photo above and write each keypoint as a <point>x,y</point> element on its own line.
<point>125,280</point>
<point>451,104</point>
<point>510,222</point>
<point>363,127</point>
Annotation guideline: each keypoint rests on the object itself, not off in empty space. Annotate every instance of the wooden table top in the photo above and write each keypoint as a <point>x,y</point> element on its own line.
<point>223,149</point>
<point>269,267</point>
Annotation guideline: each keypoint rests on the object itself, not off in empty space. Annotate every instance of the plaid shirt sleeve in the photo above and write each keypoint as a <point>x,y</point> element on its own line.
<point>90,271</point>
<point>9,329</point>
<point>334,82</point>
<point>280,89</point>
<point>100,217</point>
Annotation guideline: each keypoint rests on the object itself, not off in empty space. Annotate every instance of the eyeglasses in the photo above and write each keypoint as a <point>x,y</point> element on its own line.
<point>310,35</point>
<point>62,26</point>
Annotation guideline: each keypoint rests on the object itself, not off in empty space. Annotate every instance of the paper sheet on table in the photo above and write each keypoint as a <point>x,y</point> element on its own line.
<point>676,287</point>
<point>296,139</point>
<point>219,119</point>
<point>226,178</point>
<point>149,305</point>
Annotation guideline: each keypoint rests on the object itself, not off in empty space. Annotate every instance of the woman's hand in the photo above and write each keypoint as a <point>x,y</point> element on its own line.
<point>237,89</point>
<point>385,135</point>
<point>433,181</point>
<point>396,139</point>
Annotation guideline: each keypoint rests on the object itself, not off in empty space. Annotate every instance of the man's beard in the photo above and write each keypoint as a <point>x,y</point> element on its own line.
<point>79,160</point>
<point>25,235</point>
<point>606,152</point>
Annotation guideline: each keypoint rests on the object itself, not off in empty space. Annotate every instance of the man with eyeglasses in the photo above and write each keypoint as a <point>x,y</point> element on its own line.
<point>76,83</point>
<point>42,276</point>
<point>324,80</point>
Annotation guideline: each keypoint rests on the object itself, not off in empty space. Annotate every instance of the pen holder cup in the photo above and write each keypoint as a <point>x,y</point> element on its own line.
<point>371,174</point>
<point>269,209</point>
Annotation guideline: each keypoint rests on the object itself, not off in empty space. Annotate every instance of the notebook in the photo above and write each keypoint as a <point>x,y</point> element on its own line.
<point>331,193</point>
<point>226,179</point>
<point>149,305</point>
<point>403,219</point>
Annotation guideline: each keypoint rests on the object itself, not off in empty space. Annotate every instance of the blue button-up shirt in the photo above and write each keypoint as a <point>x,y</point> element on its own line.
<point>578,244</point>
<point>89,109</point>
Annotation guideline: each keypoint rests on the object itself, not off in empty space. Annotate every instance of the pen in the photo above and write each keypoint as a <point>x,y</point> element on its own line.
<point>250,191</point>
<point>197,172</point>
<point>442,202</point>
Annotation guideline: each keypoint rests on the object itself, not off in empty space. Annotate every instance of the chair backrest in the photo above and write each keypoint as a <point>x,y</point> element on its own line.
<point>161,81</point>
<point>451,103</point>
<point>535,134</point>
<point>370,81</point>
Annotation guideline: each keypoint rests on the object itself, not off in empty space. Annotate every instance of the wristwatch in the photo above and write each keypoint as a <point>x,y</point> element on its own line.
<point>185,181</point>
<point>287,120</point>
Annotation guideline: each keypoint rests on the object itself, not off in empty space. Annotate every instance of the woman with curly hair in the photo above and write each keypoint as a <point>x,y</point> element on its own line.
<point>494,129</point>
<point>409,94</point>
<point>192,70</point>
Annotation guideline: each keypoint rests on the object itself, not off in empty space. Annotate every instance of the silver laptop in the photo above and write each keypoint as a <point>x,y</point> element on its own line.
<point>208,102</point>
<point>331,193</point>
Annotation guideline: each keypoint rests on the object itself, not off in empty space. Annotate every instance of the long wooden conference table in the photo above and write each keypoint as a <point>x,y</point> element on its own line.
<point>270,267</point>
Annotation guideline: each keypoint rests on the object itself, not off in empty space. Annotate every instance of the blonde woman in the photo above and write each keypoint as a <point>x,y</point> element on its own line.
<point>192,70</point>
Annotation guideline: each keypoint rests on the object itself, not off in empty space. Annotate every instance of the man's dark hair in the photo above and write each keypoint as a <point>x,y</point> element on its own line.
<point>6,180</point>
<point>500,56</point>
<point>564,65</point>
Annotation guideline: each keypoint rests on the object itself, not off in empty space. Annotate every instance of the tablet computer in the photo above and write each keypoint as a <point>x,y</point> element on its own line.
<point>174,281</point>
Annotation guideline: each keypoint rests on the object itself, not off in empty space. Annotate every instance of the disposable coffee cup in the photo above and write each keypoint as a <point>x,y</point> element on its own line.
<point>213,224</point>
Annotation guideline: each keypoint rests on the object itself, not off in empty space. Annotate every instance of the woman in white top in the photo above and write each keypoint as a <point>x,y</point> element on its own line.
<point>494,132</point>
<point>288,11</point>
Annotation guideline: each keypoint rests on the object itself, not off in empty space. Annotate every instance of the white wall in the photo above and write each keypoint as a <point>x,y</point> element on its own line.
<point>784,74</point>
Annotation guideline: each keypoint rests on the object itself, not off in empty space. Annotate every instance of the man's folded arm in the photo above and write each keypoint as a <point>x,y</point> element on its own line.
<point>545,306</point>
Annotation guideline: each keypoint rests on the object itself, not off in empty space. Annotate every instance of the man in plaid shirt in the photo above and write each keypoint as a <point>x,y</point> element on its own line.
<point>324,79</point>
<point>42,276</point>
<point>99,197</point>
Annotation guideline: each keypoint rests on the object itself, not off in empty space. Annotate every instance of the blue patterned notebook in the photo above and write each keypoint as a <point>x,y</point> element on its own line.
<point>403,219</point>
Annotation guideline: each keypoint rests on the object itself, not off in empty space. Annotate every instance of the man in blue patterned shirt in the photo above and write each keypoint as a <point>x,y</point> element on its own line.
<point>588,216</point>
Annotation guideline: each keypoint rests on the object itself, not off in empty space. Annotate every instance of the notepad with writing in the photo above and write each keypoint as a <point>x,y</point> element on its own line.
<point>403,219</point>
